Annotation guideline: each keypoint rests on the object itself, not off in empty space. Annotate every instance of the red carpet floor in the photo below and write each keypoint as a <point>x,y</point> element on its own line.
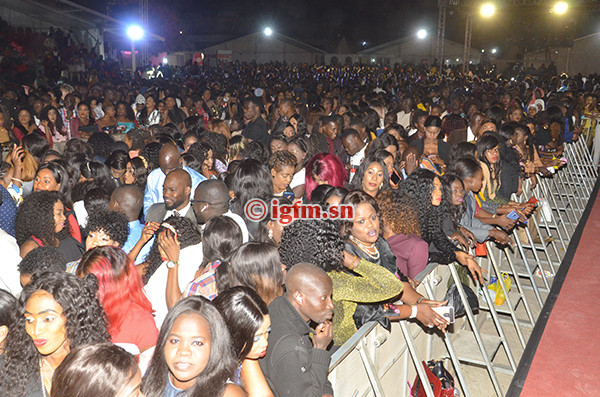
<point>567,360</point>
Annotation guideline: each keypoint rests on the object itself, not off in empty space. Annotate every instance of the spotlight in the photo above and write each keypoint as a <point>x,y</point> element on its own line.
<point>487,10</point>
<point>135,32</point>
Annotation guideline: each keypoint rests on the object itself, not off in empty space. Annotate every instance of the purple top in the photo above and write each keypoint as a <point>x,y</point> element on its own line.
<point>412,253</point>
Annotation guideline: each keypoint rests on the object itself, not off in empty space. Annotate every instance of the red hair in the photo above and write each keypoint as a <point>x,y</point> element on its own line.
<point>328,168</point>
<point>119,283</point>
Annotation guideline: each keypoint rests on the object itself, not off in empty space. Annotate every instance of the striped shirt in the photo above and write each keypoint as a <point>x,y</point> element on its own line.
<point>205,284</point>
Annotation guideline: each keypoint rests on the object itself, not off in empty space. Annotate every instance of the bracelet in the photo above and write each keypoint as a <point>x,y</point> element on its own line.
<point>413,314</point>
<point>420,299</point>
<point>18,180</point>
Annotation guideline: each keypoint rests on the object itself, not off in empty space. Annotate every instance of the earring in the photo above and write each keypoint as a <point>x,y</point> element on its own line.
<point>270,234</point>
<point>381,185</point>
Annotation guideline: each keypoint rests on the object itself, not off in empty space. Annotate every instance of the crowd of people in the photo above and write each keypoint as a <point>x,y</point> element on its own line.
<point>132,267</point>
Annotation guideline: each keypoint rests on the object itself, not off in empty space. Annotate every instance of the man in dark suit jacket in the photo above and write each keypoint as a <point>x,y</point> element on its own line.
<point>176,191</point>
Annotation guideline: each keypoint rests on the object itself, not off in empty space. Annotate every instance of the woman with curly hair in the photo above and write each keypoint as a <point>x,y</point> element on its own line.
<point>249,324</point>
<point>8,306</point>
<point>282,165</point>
<point>121,294</point>
<point>54,177</point>
<point>355,280</point>
<point>400,227</point>
<point>177,249</point>
<point>40,222</point>
<point>324,169</point>
<point>193,333</point>
<point>254,265</point>
<point>371,177</point>
<point>56,312</point>
<point>425,188</point>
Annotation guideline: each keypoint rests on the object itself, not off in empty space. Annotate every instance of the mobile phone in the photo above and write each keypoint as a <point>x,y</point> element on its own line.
<point>513,215</point>
<point>533,201</point>
<point>395,178</point>
<point>445,311</point>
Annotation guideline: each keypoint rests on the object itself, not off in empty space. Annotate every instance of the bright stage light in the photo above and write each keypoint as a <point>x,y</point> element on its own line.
<point>560,8</point>
<point>268,31</point>
<point>421,34</point>
<point>487,10</point>
<point>135,32</point>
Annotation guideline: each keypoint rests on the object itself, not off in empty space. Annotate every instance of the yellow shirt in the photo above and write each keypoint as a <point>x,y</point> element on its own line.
<point>374,284</point>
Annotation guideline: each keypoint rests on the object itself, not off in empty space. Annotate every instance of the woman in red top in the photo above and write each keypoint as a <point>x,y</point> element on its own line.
<point>121,294</point>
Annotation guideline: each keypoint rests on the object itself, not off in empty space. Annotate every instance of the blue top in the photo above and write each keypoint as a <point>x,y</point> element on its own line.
<point>8,211</point>
<point>170,390</point>
<point>135,232</point>
<point>154,186</point>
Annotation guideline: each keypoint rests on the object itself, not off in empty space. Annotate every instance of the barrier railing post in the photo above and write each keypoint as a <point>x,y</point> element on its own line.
<point>451,352</point>
<point>486,359</point>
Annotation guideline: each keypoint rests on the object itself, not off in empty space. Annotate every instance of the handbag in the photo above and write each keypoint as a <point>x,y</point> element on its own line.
<point>442,383</point>
<point>454,300</point>
<point>366,312</point>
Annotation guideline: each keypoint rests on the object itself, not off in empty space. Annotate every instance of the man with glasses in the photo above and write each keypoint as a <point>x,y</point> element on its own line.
<point>212,199</point>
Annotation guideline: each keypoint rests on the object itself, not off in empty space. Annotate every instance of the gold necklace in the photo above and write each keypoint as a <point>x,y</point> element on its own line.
<point>370,250</point>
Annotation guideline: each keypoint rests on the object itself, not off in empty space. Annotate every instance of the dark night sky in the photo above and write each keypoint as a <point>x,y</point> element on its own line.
<point>323,23</point>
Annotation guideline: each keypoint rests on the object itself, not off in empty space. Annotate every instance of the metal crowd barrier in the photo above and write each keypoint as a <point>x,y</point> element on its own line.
<point>375,362</point>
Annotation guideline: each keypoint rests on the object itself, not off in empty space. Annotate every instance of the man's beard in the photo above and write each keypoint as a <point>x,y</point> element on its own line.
<point>174,206</point>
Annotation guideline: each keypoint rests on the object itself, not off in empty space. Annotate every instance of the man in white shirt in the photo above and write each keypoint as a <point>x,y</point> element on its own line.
<point>474,125</point>
<point>187,265</point>
<point>10,276</point>
<point>355,147</point>
<point>405,114</point>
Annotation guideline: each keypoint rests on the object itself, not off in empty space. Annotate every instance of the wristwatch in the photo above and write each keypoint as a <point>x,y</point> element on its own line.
<point>171,264</point>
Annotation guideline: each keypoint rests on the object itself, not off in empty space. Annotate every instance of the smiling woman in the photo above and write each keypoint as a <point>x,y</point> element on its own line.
<point>40,222</point>
<point>51,322</point>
